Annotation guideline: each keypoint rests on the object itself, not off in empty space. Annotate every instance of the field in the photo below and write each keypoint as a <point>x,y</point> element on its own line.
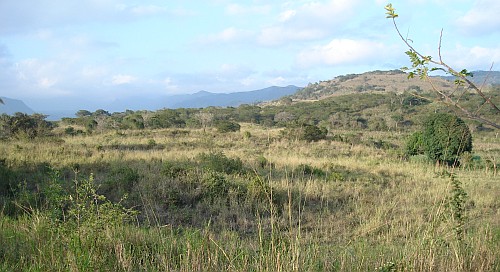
<point>253,200</point>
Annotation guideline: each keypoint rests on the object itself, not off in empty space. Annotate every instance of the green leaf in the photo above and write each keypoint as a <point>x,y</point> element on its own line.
<point>437,69</point>
<point>466,73</point>
<point>390,11</point>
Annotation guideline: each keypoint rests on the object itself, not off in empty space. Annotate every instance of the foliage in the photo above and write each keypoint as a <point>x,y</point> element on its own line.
<point>313,133</point>
<point>415,144</point>
<point>22,125</point>
<point>446,137</point>
<point>422,65</point>
<point>227,126</point>
<point>218,162</point>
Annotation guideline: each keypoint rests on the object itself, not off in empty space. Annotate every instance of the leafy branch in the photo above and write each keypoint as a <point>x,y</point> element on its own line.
<point>422,65</point>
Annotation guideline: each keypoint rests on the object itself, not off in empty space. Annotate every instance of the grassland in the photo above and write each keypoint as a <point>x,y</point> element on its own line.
<point>199,200</point>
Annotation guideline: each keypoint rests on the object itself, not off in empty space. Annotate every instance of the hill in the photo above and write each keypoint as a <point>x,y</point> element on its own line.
<point>11,106</point>
<point>482,77</point>
<point>376,81</point>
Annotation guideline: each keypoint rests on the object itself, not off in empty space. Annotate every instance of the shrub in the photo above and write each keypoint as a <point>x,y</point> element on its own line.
<point>174,169</point>
<point>414,144</point>
<point>311,133</point>
<point>445,137</point>
<point>218,162</point>
<point>120,182</point>
<point>227,126</point>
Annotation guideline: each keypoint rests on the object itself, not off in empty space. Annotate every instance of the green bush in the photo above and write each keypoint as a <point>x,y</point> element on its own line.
<point>415,144</point>
<point>227,126</point>
<point>120,183</point>
<point>444,138</point>
<point>313,133</point>
<point>218,162</point>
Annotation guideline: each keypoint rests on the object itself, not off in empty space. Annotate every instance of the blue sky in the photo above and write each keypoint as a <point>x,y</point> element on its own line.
<point>106,49</point>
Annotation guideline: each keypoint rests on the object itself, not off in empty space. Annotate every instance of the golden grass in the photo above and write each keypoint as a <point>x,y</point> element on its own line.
<point>382,208</point>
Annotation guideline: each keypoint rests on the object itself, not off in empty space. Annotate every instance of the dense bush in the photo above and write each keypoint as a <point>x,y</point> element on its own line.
<point>218,162</point>
<point>444,138</point>
<point>22,125</point>
<point>414,144</point>
<point>311,133</point>
<point>227,126</point>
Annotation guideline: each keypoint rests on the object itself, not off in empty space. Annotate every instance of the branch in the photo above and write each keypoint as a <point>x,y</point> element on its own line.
<point>420,66</point>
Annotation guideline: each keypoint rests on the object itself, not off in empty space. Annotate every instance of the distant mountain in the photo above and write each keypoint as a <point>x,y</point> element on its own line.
<point>11,106</point>
<point>202,99</point>
<point>482,77</point>
<point>206,99</point>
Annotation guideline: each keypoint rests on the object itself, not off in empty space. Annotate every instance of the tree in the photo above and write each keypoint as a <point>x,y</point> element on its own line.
<point>205,118</point>
<point>83,113</point>
<point>422,65</point>
<point>444,138</point>
<point>227,126</point>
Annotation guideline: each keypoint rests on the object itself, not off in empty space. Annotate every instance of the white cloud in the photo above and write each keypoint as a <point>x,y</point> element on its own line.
<point>169,85</point>
<point>342,51</point>
<point>473,58</point>
<point>483,18</point>
<point>37,73</point>
<point>278,81</point>
<point>286,15</point>
<point>122,79</point>
<point>25,16</point>
<point>307,21</point>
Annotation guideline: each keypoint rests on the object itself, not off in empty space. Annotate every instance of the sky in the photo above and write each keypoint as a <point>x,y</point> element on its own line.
<point>57,52</point>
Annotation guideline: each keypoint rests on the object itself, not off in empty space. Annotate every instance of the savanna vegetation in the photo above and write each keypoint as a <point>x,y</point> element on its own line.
<point>299,186</point>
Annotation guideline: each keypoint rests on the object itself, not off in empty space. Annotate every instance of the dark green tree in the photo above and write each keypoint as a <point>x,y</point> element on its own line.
<point>446,137</point>
<point>227,126</point>
<point>312,133</point>
<point>83,113</point>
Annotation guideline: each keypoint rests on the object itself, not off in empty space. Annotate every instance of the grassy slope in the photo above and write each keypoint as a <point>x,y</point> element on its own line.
<point>357,207</point>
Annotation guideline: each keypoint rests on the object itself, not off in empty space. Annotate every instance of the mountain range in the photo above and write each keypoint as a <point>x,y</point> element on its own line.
<point>202,99</point>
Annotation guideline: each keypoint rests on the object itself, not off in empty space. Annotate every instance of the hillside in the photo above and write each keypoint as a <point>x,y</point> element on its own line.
<point>375,81</point>
<point>11,106</point>
<point>482,77</point>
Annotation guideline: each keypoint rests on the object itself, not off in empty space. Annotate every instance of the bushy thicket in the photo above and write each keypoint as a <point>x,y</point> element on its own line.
<point>227,126</point>
<point>22,125</point>
<point>444,138</point>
